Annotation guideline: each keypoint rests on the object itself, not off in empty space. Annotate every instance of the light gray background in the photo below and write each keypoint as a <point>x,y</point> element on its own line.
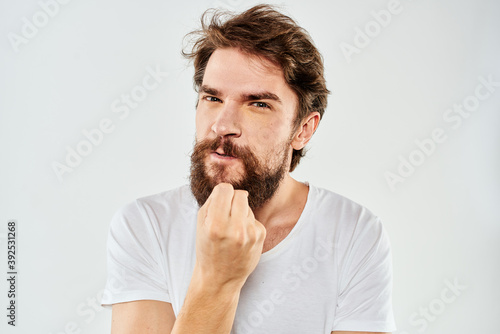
<point>443,219</point>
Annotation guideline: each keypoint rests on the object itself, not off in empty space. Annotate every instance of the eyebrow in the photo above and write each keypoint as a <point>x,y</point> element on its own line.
<point>261,96</point>
<point>208,90</point>
<point>247,97</point>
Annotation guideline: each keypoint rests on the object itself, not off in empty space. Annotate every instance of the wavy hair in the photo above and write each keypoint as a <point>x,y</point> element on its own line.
<point>265,32</point>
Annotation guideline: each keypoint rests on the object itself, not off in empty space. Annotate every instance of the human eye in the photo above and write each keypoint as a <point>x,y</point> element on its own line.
<point>261,105</point>
<point>210,98</point>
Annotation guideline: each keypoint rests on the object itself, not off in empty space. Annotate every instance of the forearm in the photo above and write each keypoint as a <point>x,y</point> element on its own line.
<point>207,308</point>
<point>229,243</point>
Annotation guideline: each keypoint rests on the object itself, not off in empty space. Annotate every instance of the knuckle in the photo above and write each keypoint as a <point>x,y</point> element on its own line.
<point>224,187</point>
<point>262,232</point>
<point>240,192</point>
<point>240,239</point>
<point>254,233</point>
<point>215,232</point>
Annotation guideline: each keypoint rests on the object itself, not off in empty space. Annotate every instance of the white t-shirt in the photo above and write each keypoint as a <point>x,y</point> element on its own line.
<point>333,271</point>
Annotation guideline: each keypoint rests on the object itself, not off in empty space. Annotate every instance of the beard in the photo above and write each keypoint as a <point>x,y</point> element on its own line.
<point>259,180</point>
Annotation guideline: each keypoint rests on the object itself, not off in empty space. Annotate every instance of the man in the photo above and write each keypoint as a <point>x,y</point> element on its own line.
<point>246,248</point>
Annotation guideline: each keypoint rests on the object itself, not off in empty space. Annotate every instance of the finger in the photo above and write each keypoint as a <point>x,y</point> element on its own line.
<point>261,230</point>
<point>250,215</point>
<point>239,206</point>
<point>202,212</point>
<point>220,200</point>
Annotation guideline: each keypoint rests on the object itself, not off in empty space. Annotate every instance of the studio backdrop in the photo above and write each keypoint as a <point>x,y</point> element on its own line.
<point>97,108</point>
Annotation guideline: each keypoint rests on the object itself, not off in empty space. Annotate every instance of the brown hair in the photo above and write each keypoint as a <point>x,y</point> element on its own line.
<point>265,32</point>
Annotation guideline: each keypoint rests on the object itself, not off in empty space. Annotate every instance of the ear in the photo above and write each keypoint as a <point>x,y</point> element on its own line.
<point>306,130</point>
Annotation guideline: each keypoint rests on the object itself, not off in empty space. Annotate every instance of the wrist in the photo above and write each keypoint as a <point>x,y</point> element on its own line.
<point>212,284</point>
<point>208,307</point>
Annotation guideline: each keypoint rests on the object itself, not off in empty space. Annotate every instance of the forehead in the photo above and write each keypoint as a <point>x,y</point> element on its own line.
<point>231,71</point>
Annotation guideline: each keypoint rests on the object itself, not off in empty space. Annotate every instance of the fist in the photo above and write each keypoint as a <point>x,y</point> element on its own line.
<point>229,239</point>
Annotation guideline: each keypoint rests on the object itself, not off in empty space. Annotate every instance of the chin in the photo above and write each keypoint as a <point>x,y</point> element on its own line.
<point>227,179</point>
<point>222,174</point>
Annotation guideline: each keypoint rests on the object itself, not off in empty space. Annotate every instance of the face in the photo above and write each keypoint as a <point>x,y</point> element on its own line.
<point>244,121</point>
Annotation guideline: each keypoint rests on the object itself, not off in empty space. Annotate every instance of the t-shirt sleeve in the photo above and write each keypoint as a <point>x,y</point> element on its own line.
<point>365,282</point>
<point>135,271</point>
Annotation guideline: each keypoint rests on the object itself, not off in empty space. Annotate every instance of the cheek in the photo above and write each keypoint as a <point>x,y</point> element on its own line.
<point>202,125</point>
<point>270,137</point>
<point>261,134</point>
<point>274,132</point>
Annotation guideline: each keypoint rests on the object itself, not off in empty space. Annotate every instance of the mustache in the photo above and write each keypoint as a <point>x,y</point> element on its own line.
<point>259,180</point>
<point>228,146</point>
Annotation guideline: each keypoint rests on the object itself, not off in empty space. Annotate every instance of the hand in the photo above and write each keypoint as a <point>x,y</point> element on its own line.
<point>229,239</point>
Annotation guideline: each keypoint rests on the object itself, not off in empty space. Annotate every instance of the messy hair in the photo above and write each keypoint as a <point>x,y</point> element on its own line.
<point>265,32</point>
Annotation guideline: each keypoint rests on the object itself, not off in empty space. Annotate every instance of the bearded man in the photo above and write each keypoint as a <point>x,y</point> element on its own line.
<point>245,248</point>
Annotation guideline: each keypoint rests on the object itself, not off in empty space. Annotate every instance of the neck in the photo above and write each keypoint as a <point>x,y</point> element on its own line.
<point>288,200</point>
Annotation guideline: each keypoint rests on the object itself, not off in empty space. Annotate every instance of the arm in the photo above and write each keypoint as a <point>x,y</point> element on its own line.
<point>208,308</point>
<point>205,310</point>
<point>228,247</point>
<point>365,298</point>
<point>142,316</point>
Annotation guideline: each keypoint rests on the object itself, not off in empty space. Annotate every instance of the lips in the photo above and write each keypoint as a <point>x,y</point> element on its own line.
<point>220,152</point>
<point>224,149</point>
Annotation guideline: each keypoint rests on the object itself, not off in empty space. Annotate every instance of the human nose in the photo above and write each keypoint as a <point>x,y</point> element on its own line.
<point>227,121</point>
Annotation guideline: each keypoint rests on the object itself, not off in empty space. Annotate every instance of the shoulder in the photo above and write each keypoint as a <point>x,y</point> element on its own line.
<point>180,196</point>
<point>150,208</point>
<point>325,198</point>
<point>348,218</point>
<point>329,202</point>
